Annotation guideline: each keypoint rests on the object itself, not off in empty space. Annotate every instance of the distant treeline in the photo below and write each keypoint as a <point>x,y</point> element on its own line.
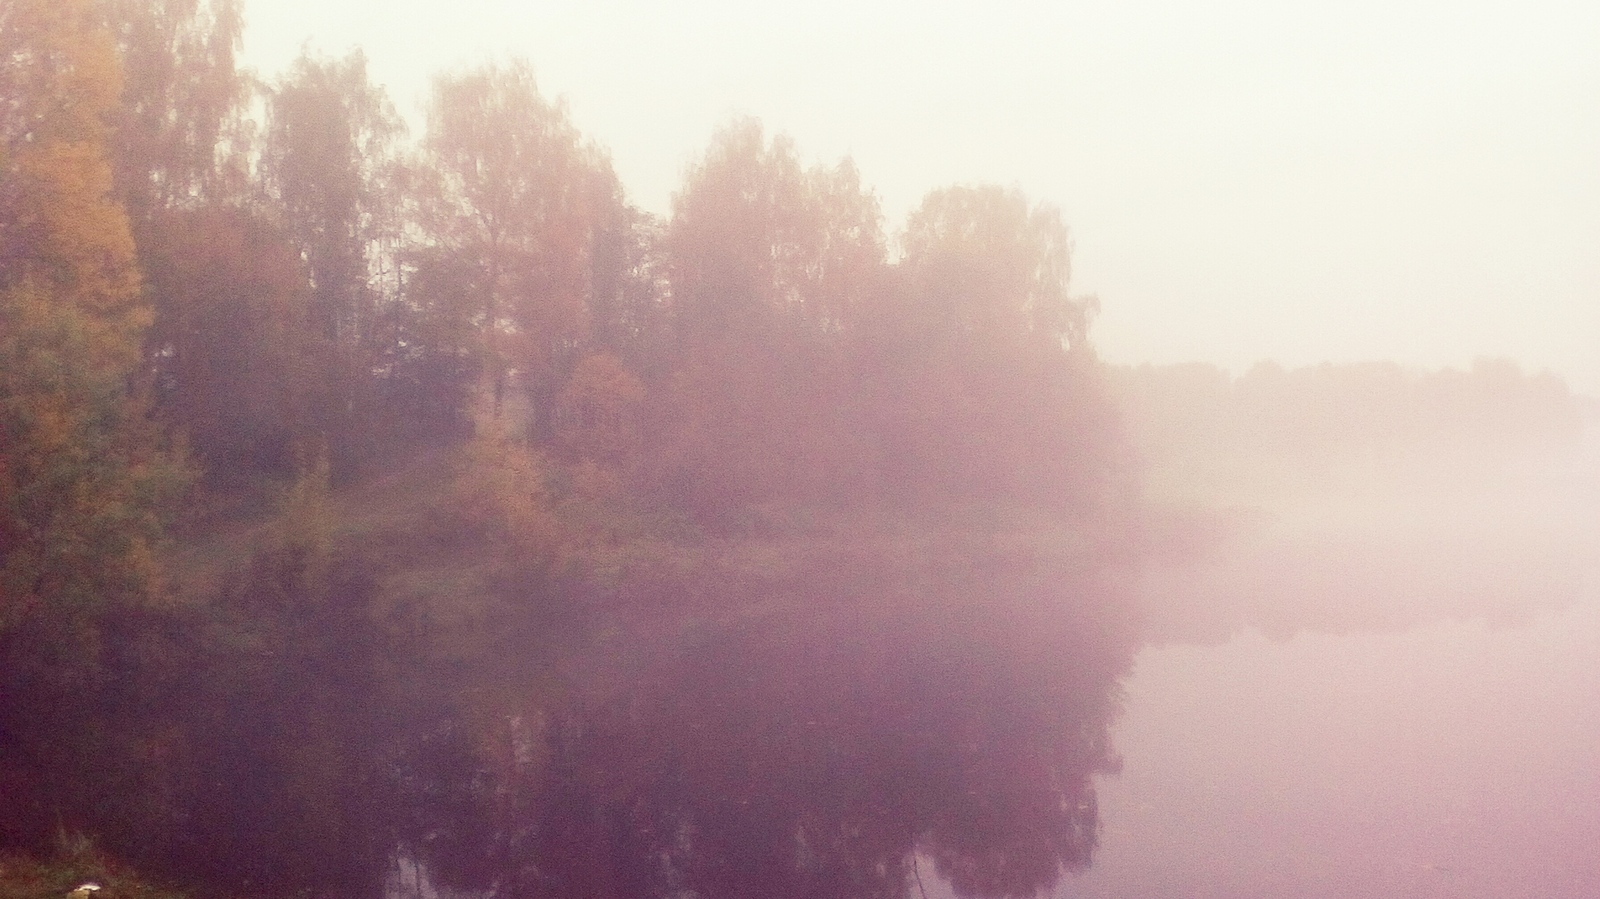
<point>366,498</point>
<point>1367,496</point>
<point>1199,428</point>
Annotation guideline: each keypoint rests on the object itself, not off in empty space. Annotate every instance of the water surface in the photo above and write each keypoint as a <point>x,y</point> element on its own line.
<point>1454,759</point>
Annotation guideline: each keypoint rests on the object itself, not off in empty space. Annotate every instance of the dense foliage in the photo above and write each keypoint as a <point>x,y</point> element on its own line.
<point>367,504</point>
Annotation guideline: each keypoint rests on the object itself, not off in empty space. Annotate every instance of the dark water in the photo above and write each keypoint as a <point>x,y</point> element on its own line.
<point>1454,759</point>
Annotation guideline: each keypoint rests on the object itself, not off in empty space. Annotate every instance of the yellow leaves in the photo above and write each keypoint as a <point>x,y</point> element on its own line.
<point>78,515</point>
<point>503,494</point>
<point>78,241</point>
<point>597,415</point>
<point>82,237</point>
<point>62,69</point>
<point>65,234</point>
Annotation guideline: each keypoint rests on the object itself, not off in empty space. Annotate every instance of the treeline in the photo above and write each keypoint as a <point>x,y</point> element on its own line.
<point>1204,432</point>
<point>366,499</point>
<point>313,281</point>
<point>1359,497</point>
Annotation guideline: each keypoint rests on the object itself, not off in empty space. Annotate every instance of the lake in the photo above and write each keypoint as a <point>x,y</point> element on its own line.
<point>1453,759</point>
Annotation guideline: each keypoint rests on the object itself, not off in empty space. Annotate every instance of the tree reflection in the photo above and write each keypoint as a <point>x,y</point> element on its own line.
<point>811,748</point>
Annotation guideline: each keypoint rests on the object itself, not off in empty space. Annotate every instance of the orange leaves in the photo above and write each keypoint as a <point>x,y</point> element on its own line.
<point>78,512</point>
<point>59,73</point>
<point>65,234</point>
<point>79,249</point>
<point>598,413</point>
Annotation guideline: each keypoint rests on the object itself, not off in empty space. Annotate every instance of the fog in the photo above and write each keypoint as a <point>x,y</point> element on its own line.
<point>870,453</point>
<point>1410,181</point>
<point>1384,684</point>
<point>1383,681</point>
<point>1361,497</point>
<point>1455,758</point>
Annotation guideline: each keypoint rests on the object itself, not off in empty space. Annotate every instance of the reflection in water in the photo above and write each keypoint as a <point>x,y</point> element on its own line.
<point>1450,760</point>
<point>1390,691</point>
<point>807,747</point>
<point>881,731</point>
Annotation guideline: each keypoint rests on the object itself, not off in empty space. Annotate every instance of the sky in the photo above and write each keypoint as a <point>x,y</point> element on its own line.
<point>1245,179</point>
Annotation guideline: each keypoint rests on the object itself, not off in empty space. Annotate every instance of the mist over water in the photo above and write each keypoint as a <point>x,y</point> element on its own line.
<point>1453,759</point>
<point>1341,715</point>
<point>400,509</point>
<point>1372,652</point>
<point>1372,694</point>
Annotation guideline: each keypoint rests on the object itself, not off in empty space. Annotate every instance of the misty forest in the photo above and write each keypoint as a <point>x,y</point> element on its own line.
<point>407,514</point>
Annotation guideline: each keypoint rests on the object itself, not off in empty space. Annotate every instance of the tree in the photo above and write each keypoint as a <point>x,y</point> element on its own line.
<point>331,166</point>
<point>62,233</point>
<point>69,303</point>
<point>987,266</point>
<point>434,354</point>
<point>233,351</point>
<point>598,413</point>
<point>330,161</point>
<point>756,239</point>
<point>515,190</point>
<point>987,385</point>
<point>628,313</point>
<point>181,94</point>
<point>81,475</point>
<point>770,265</point>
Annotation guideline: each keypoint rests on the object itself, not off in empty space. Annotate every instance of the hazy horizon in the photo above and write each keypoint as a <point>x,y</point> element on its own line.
<point>1408,182</point>
<point>1165,463</point>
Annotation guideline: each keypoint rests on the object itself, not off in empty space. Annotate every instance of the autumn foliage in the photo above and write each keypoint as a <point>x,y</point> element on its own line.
<point>365,500</point>
<point>376,508</point>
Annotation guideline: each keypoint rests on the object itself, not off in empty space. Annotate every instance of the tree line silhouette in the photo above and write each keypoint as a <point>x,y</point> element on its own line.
<point>364,498</point>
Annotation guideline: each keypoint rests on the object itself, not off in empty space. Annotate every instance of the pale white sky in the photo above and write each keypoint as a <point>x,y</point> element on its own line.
<point>1407,180</point>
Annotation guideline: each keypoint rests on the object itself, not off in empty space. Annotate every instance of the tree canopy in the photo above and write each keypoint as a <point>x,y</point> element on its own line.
<point>427,501</point>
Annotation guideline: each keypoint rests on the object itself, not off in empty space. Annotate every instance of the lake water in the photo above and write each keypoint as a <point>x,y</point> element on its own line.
<point>1454,759</point>
<point>1457,757</point>
<point>1451,760</point>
